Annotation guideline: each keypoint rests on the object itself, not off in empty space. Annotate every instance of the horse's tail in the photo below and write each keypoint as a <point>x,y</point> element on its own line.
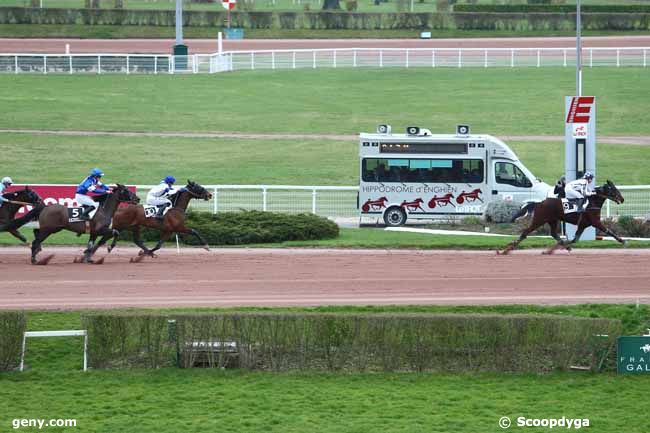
<point>526,209</point>
<point>19,222</point>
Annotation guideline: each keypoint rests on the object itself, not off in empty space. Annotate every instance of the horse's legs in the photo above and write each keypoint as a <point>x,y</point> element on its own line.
<point>105,237</point>
<point>531,228</point>
<point>196,235</point>
<point>18,236</point>
<point>553,225</point>
<point>164,236</point>
<point>137,239</point>
<point>39,238</point>
<point>599,225</point>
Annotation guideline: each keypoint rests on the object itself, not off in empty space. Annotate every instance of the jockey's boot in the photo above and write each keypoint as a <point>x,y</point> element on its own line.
<point>86,213</point>
<point>580,203</point>
<point>161,210</point>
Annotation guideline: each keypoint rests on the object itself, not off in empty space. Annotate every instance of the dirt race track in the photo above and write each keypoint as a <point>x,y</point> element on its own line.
<point>234,277</point>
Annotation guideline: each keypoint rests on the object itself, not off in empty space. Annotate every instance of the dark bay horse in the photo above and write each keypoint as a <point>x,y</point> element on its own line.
<point>132,217</point>
<point>18,199</point>
<point>54,218</point>
<point>551,212</point>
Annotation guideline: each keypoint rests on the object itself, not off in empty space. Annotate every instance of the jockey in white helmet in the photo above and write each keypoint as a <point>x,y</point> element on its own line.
<point>6,182</point>
<point>90,185</point>
<point>579,189</point>
<point>157,196</point>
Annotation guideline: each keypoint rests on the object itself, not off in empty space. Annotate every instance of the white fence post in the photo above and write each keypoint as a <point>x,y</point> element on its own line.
<point>512,58</point>
<point>334,58</point>
<point>618,58</point>
<point>314,60</point>
<point>128,66</point>
<point>214,209</point>
<point>381,59</point>
<point>313,201</point>
<point>460,58</point>
<point>252,61</point>
<point>407,58</point>
<point>644,56</point>
<point>99,65</point>
<point>272,59</point>
<point>155,64</point>
<point>264,193</point>
<point>293,64</point>
<point>564,51</point>
<point>539,59</point>
<point>591,57</point>
<point>433,58</point>
<point>354,58</point>
<point>485,62</point>
<point>45,64</point>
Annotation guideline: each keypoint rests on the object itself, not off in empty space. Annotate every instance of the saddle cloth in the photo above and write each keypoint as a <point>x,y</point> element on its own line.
<point>570,207</point>
<point>150,211</point>
<point>74,214</point>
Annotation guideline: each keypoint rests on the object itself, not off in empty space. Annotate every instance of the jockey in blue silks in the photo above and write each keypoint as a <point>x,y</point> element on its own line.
<point>157,196</point>
<point>89,187</point>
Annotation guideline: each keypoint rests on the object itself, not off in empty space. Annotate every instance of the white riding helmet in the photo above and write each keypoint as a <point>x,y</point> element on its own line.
<point>7,180</point>
<point>588,175</point>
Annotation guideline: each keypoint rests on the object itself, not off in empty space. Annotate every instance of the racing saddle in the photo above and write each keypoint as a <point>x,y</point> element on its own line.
<point>574,205</point>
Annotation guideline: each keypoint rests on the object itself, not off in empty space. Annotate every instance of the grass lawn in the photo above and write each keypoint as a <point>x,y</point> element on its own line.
<point>496,101</point>
<point>65,159</point>
<point>171,400</point>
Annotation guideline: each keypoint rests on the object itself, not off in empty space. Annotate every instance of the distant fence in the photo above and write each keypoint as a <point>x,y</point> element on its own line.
<point>320,58</point>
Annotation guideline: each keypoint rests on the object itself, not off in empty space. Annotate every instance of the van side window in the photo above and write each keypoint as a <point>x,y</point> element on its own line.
<point>510,174</point>
<point>422,170</point>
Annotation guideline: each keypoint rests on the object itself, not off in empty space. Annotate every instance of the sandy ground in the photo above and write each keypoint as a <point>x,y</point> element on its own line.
<point>207,46</point>
<point>285,277</point>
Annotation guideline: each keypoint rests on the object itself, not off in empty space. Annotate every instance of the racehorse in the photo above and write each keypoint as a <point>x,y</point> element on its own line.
<point>18,199</point>
<point>132,217</point>
<point>54,218</point>
<point>551,212</point>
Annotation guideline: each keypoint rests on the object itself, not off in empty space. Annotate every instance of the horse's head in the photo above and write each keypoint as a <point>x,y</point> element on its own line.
<point>27,195</point>
<point>610,191</point>
<point>124,194</point>
<point>198,191</point>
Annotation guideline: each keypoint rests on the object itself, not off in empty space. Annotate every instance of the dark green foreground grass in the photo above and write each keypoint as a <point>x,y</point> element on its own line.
<point>171,400</point>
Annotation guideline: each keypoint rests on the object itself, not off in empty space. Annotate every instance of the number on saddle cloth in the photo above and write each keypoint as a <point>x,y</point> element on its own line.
<point>150,211</point>
<point>570,206</point>
<point>76,214</point>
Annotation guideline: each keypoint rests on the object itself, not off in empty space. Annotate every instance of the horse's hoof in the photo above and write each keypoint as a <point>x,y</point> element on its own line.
<point>45,260</point>
<point>99,261</point>
<point>136,259</point>
<point>207,248</point>
<point>77,260</point>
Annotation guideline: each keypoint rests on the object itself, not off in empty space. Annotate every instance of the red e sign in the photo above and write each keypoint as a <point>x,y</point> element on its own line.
<point>580,109</point>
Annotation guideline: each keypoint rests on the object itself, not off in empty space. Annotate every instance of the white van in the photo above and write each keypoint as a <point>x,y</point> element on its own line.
<point>420,175</point>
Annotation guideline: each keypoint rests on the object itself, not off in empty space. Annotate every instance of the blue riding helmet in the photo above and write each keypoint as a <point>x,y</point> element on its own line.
<point>588,175</point>
<point>170,180</point>
<point>96,172</point>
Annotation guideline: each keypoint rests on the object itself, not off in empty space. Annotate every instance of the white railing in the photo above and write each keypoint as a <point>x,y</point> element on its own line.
<point>321,58</point>
<point>341,201</point>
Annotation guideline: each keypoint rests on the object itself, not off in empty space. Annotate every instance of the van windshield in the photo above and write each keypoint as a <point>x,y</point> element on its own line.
<point>422,170</point>
<point>510,174</point>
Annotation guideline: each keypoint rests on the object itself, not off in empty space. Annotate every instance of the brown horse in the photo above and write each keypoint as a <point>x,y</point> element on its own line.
<point>8,210</point>
<point>551,212</point>
<point>54,218</point>
<point>132,217</point>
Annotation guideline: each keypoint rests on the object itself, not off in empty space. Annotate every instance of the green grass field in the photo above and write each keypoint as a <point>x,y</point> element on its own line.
<point>496,101</point>
<point>171,400</point>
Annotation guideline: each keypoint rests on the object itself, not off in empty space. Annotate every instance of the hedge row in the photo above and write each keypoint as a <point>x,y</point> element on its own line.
<point>12,327</point>
<point>349,342</point>
<point>549,8</point>
<point>329,20</point>
<point>251,227</point>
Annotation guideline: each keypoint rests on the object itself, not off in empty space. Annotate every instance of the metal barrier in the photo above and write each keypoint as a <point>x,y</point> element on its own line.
<point>320,58</point>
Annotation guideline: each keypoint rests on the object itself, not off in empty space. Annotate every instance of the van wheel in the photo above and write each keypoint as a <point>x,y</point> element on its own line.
<point>395,217</point>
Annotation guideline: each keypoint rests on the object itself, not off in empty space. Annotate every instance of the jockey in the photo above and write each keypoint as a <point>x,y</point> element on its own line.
<point>90,185</point>
<point>579,189</point>
<point>6,182</point>
<point>559,188</point>
<point>158,195</point>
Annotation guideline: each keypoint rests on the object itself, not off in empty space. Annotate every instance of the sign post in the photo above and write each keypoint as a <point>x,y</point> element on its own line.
<point>228,5</point>
<point>580,146</point>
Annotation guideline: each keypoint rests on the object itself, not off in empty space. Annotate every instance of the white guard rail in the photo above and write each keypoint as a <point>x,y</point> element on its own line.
<point>341,201</point>
<point>320,58</point>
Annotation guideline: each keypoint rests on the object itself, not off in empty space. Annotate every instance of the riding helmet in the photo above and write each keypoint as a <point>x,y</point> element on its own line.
<point>96,172</point>
<point>170,179</point>
<point>588,175</point>
<point>7,180</point>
